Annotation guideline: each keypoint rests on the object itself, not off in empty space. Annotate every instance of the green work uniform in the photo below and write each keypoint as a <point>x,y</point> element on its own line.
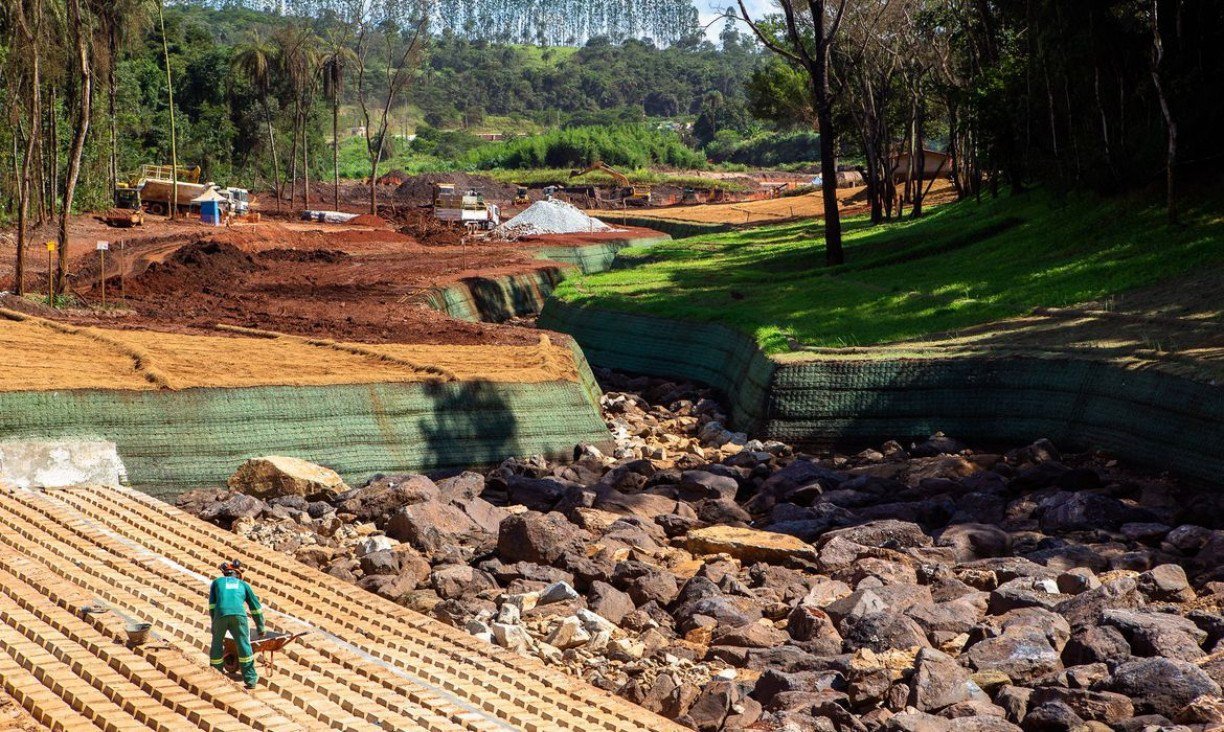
<point>228,600</point>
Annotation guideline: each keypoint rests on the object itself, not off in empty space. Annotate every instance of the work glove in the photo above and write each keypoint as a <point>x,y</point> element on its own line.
<point>260,631</point>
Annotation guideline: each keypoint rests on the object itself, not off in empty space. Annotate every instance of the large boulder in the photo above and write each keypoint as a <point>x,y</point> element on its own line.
<point>431,527</point>
<point>538,538</point>
<point>1023,655</point>
<point>749,545</point>
<point>939,681</point>
<point>278,475</point>
<point>231,509</point>
<point>384,496</point>
<point>1161,685</point>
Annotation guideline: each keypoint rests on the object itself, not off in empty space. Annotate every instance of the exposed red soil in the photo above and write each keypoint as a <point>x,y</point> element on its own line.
<point>308,279</point>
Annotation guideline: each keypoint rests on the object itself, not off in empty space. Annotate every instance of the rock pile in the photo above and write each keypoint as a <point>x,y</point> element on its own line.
<point>729,583</point>
<point>550,217</point>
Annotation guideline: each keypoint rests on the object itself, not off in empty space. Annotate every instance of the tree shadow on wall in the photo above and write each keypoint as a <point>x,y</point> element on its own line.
<point>520,295</point>
<point>472,425</point>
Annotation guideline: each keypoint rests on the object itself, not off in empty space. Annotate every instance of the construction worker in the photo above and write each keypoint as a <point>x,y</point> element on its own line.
<point>228,600</point>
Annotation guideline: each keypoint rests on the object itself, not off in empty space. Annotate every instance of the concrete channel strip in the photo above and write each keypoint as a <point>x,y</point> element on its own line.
<point>76,564</point>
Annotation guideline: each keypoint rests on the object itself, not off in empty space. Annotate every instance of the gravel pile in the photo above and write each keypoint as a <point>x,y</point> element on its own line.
<point>550,217</point>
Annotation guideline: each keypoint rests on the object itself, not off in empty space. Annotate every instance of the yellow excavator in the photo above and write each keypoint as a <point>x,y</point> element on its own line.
<point>626,193</point>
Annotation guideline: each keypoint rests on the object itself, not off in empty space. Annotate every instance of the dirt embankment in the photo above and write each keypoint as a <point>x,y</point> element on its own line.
<point>353,285</point>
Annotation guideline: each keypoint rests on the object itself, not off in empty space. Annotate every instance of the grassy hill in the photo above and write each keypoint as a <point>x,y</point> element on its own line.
<point>961,265</point>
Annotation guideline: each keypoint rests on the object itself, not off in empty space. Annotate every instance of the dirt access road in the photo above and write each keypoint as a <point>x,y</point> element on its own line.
<point>777,210</point>
<point>366,284</point>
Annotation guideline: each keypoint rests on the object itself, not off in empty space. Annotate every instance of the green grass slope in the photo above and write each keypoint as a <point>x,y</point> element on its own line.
<point>961,265</point>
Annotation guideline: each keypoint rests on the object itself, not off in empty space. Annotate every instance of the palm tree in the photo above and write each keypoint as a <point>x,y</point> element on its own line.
<point>119,23</point>
<point>298,49</point>
<point>336,58</point>
<point>257,59</point>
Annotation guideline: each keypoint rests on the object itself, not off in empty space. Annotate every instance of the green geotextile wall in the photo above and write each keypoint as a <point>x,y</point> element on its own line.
<point>1144,416</point>
<point>675,229</point>
<point>497,299</point>
<point>172,441</point>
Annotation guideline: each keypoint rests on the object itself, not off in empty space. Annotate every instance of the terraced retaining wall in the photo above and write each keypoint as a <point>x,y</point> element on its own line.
<point>498,299</point>
<point>173,441</point>
<point>1148,417</point>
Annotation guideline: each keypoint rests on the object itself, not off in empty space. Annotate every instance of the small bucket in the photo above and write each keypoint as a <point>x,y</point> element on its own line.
<point>138,633</point>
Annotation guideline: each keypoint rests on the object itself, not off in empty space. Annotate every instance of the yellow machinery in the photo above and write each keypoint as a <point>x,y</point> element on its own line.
<point>627,193</point>
<point>520,197</point>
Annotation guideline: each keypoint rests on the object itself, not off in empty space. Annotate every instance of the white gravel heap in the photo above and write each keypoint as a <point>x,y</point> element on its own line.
<point>550,217</point>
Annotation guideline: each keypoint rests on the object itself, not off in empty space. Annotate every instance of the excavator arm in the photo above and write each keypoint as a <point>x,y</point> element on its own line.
<point>599,165</point>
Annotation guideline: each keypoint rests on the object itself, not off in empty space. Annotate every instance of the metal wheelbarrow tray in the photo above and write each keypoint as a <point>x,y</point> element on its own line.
<point>268,642</point>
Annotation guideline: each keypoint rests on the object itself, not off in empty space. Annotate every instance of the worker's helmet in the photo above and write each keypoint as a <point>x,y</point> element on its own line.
<point>232,568</point>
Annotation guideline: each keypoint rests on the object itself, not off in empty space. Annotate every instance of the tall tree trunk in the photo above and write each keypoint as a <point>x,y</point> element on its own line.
<point>174,166</point>
<point>293,155</point>
<point>27,163</point>
<point>112,89</point>
<point>1158,53</point>
<point>336,144</point>
<point>305,160</point>
<point>80,35</point>
<point>53,187</point>
<point>919,151</point>
<point>278,184</point>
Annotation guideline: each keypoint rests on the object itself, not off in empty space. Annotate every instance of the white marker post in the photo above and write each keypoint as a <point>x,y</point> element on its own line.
<point>103,247</point>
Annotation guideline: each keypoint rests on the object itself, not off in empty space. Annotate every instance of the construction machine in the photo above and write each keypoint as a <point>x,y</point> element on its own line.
<point>520,197</point>
<point>469,209</point>
<point>127,211</point>
<point>625,193</point>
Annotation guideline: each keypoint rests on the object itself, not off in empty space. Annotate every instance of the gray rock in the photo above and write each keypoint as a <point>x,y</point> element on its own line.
<point>1166,583</point>
<point>1023,656</point>
<point>938,681</point>
<point>1161,685</point>
<point>233,508</point>
<point>882,631</point>
<point>887,533</point>
<point>380,562</point>
<point>975,541</point>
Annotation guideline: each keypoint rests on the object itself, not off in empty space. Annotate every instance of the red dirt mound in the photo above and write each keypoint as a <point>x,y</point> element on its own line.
<point>304,255</point>
<point>368,220</point>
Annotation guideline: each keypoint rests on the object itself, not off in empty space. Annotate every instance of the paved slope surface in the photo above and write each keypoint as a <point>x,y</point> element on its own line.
<point>367,664</point>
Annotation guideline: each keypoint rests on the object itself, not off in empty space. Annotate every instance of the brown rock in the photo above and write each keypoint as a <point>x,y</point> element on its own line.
<point>278,475</point>
<point>749,545</point>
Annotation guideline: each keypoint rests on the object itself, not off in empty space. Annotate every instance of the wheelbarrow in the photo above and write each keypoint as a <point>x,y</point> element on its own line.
<point>268,643</point>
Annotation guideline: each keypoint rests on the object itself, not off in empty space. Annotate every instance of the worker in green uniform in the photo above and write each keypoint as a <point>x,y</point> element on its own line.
<point>228,600</point>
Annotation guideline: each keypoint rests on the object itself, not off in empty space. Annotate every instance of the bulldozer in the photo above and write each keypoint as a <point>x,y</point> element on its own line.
<point>625,193</point>
<point>520,196</point>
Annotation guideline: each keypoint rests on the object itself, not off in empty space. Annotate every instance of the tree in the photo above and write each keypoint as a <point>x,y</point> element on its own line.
<point>399,31</point>
<point>25,68</point>
<point>119,22</point>
<point>82,73</point>
<point>336,58</point>
<point>257,59</point>
<point>174,166</point>
<point>810,29</point>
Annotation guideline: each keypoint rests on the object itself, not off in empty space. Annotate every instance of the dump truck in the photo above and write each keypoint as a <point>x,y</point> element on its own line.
<point>154,188</point>
<point>468,209</point>
<point>625,193</point>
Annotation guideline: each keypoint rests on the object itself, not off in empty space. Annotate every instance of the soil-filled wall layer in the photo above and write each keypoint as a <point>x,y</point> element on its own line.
<point>171,441</point>
<point>1147,416</point>
<point>498,299</point>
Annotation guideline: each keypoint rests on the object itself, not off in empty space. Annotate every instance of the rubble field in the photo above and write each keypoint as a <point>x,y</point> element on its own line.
<point>729,583</point>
